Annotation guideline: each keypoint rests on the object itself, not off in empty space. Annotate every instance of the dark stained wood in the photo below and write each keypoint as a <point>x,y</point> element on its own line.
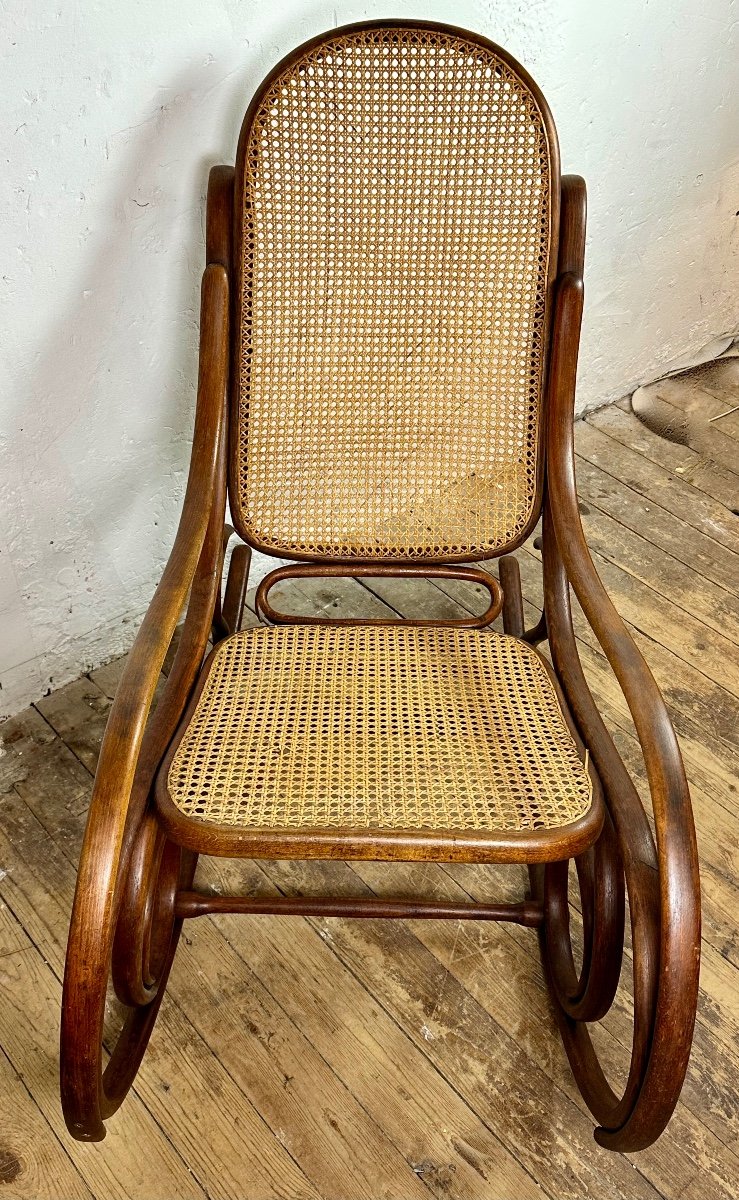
<point>219,225</point>
<point>201,904</point>
<point>510,578</point>
<point>213,982</point>
<point>237,583</point>
<point>386,845</point>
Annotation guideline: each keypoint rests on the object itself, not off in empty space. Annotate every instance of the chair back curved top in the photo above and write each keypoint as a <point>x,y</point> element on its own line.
<point>396,216</point>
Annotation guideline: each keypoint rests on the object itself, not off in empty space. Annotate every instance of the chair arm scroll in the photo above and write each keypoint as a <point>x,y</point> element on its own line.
<point>110,824</point>
<point>662,879</point>
<point>135,693</point>
<point>646,704</point>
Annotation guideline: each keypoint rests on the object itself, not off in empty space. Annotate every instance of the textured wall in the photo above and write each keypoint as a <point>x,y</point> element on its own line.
<point>113,113</point>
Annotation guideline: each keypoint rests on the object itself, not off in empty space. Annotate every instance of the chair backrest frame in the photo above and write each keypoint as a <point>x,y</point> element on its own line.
<point>241,297</point>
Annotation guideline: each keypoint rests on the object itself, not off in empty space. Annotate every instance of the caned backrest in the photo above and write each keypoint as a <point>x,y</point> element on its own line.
<point>396,218</point>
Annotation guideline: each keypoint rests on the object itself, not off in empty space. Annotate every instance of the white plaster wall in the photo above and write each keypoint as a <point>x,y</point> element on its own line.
<point>113,111</point>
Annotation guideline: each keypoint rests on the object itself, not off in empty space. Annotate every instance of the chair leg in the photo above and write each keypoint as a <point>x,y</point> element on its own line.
<point>135,943</point>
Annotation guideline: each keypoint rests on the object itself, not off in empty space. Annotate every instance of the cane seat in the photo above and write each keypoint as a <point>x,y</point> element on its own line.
<point>382,728</point>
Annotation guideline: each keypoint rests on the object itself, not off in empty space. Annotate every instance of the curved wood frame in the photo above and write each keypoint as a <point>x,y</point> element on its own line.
<point>662,880</point>
<point>396,570</point>
<point>132,749</point>
<point>135,884</point>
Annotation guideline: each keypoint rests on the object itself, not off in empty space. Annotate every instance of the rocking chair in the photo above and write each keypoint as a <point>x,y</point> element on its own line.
<point>390,320</point>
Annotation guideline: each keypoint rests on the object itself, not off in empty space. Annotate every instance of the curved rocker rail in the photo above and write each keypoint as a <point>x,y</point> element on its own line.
<point>661,878</point>
<point>129,874</point>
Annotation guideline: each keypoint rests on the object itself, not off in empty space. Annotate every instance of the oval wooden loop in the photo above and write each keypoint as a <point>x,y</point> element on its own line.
<point>397,570</point>
<point>587,994</point>
<point>125,1059</point>
<point>106,1088</point>
<point>147,915</point>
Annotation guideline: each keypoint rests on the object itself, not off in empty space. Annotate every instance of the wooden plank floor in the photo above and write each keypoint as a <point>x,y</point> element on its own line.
<point>304,1059</point>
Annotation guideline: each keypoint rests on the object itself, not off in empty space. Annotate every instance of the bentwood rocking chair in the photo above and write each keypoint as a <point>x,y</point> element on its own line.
<point>390,320</point>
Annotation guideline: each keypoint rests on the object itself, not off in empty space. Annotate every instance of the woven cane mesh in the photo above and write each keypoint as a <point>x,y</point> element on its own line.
<point>381,728</point>
<point>394,255</point>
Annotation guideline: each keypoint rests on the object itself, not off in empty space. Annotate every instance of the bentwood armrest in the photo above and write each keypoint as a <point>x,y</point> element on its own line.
<point>133,698</point>
<point>663,760</point>
<point>646,704</point>
<point>111,821</point>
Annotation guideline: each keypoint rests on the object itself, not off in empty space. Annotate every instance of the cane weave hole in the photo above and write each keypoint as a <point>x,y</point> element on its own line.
<point>378,728</point>
<point>394,257</point>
